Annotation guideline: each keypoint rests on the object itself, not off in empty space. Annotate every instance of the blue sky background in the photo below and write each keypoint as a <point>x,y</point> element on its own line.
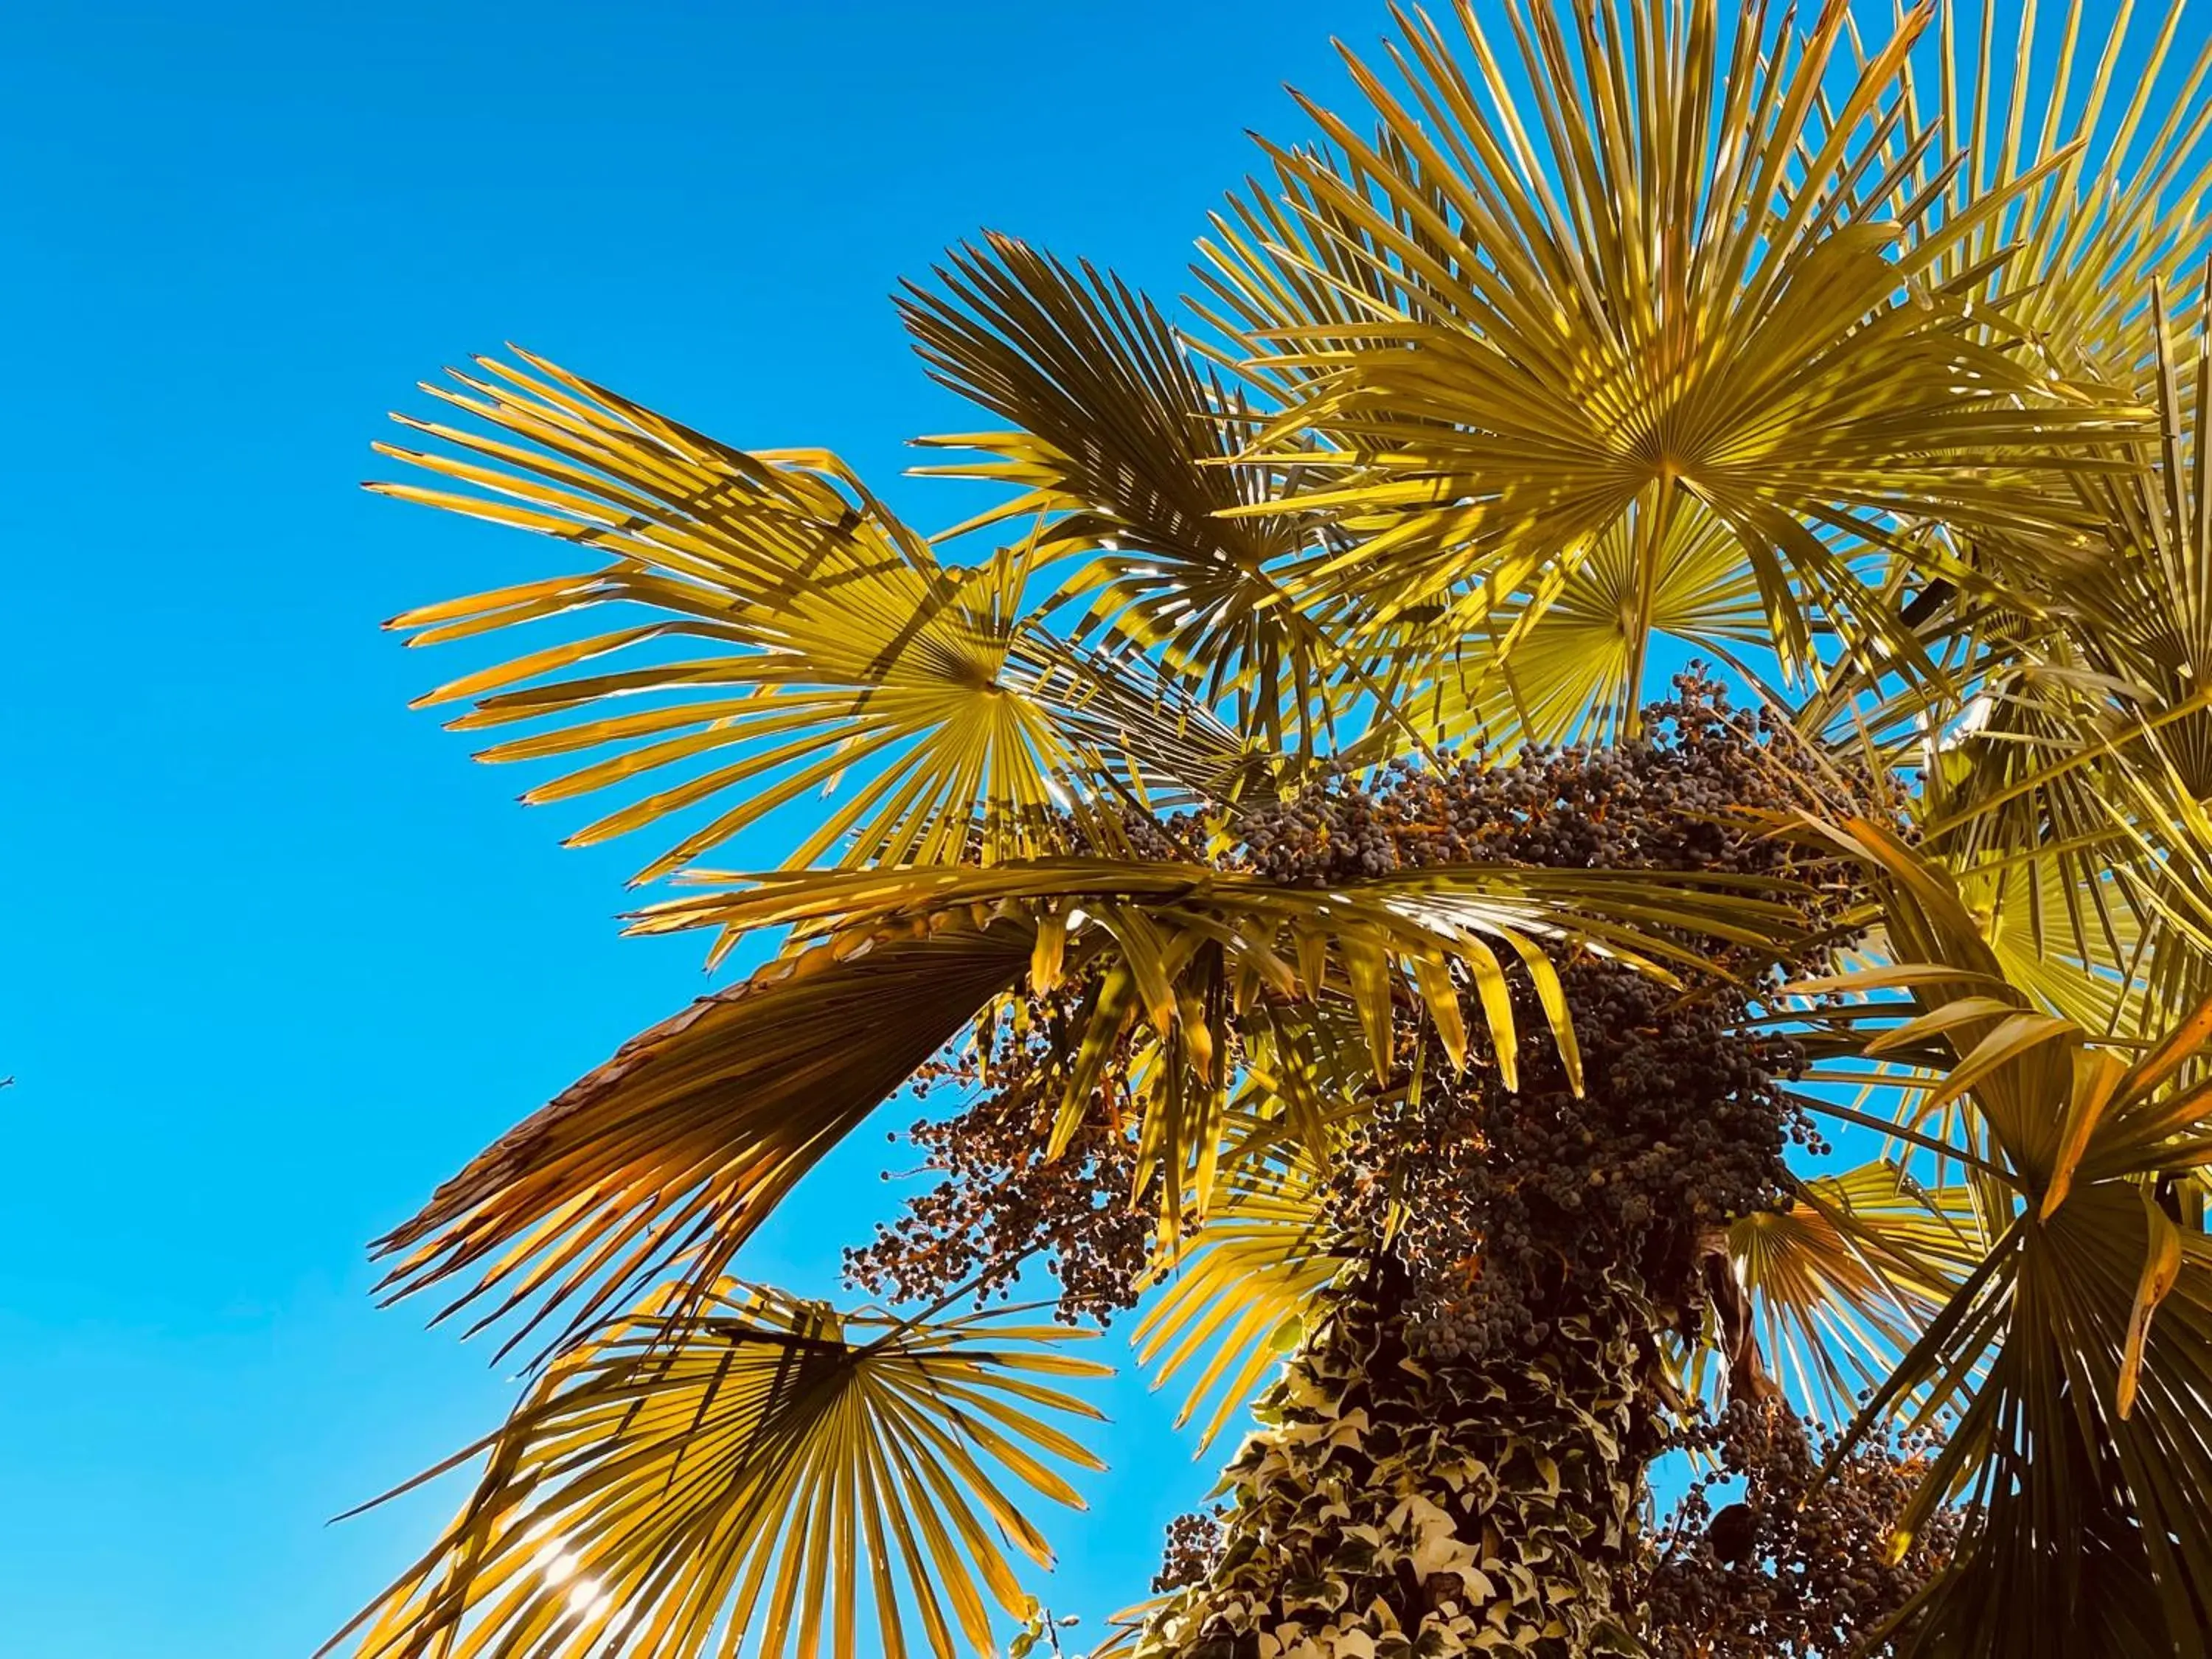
<point>278,956</point>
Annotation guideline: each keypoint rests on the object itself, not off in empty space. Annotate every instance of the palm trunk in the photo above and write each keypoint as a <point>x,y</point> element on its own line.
<point>1392,1507</point>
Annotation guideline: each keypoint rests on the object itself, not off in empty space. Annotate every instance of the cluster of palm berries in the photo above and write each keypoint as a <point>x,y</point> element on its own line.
<point>1794,1566</point>
<point>1674,798</point>
<point>1002,1204</point>
<point>1512,1206</point>
<point>1193,1545</point>
<point>1512,1203</point>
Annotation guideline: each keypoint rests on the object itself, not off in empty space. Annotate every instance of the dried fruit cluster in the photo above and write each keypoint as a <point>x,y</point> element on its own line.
<point>1514,1200</point>
<point>1513,1203</point>
<point>1795,1567</point>
<point>1001,1203</point>
<point>1673,799</point>
<point>1192,1552</point>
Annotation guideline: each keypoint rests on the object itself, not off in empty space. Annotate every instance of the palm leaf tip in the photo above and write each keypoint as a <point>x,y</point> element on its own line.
<point>671,1154</point>
<point>1233,1303</point>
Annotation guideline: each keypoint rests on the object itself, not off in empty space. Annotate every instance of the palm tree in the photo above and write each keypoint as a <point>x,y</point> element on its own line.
<point>1270,816</point>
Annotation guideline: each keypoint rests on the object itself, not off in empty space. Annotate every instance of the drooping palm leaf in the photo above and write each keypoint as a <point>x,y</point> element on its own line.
<point>1625,914</point>
<point>767,1472</point>
<point>672,1154</point>
<point>1195,953</point>
<point>1236,1295</point>
<point>675,1149</point>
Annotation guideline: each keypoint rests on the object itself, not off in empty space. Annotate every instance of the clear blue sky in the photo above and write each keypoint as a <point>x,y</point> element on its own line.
<point>278,957</point>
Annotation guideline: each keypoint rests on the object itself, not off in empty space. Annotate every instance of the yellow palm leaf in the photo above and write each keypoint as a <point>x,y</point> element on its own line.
<point>1685,291</point>
<point>2075,1354</point>
<point>795,638</point>
<point>764,1473</point>
<point>1236,1296</point>
<point>675,1151</point>
<point>1844,1280</point>
<point>1576,669</point>
<point>1125,448</point>
<point>2070,791</point>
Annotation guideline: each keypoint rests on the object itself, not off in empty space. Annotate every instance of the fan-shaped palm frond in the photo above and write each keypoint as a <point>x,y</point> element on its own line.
<point>2074,1353</point>
<point>1685,290</point>
<point>2069,946</point>
<point>2103,91</point>
<point>836,644</point>
<point>1237,1294</point>
<point>2055,1444</point>
<point>1842,1280</point>
<point>1125,449</point>
<point>1575,672</point>
<point>2081,844</point>
<point>767,1472</point>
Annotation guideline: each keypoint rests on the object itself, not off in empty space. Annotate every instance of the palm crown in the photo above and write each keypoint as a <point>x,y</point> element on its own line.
<point>1849,358</point>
